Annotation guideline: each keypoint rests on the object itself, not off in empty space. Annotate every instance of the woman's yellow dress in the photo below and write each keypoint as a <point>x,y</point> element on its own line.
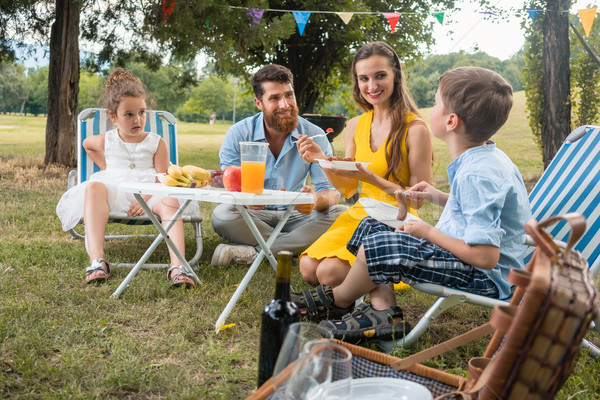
<point>333,242</point>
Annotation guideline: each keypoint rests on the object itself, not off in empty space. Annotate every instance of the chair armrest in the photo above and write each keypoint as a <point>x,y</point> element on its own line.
<point>72,179</point>
<point>528,240</point>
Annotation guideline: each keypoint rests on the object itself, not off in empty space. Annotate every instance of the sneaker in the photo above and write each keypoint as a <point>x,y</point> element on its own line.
<point>238,253</point>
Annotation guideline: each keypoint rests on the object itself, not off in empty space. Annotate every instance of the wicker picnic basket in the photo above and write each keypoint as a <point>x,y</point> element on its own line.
<point>536,338</point>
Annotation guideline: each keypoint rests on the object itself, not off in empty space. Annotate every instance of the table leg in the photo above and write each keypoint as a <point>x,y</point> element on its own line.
<point>162,235</point>
<point>265,251</point>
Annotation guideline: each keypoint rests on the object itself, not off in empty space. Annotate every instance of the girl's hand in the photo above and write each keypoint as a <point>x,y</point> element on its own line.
<point>417,228</point>
<point>135,210</point>
<point>308,149</point>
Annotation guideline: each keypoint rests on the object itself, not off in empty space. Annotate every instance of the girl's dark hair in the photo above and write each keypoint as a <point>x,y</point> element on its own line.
<point>121,83</point>
<point>402,102</point>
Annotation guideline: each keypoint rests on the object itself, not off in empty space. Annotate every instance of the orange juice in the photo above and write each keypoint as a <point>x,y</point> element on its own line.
<point>253,176</point>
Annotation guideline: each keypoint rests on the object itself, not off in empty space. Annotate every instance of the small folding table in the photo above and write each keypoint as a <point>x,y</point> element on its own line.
<point>213,195</point>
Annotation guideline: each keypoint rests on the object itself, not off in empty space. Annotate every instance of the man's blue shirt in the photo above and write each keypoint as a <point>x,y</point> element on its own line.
<point>488,204</point>
<point>289,170</point>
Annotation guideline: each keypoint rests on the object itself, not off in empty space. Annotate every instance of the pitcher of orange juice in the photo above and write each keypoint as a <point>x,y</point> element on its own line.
<point>254,160</point>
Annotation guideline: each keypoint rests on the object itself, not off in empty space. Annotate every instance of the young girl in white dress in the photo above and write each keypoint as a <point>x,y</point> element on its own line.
<point>126,153</point>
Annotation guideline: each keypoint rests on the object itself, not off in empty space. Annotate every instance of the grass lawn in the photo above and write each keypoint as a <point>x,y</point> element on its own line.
<point>61,339</point>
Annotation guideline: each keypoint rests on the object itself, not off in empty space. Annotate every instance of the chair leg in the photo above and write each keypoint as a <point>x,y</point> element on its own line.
<point>199,245</point>
<point>594,350</point>
<point>437,308</point>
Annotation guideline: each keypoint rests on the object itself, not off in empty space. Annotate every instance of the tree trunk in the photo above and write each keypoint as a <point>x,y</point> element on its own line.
<point>63,85</point>
<point>556,101</point>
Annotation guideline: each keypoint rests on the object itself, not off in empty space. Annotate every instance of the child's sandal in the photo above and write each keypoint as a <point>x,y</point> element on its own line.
<point>181,278</point>
<point>367,323</point>
<point>97,267</point>
<point>318,304</point>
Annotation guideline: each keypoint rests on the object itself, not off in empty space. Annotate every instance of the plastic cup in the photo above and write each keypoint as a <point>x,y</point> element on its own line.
<point>254,161</point>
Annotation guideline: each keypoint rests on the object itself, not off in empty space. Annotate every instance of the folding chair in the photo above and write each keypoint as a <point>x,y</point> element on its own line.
<point>571,183</point>
<point>94,121</point>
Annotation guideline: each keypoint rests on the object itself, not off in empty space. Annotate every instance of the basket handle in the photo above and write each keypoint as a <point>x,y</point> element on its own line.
<point>544,240</point>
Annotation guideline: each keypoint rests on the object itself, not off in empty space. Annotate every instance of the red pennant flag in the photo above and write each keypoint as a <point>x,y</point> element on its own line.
<point>167,8</point>
<point>392,19</point>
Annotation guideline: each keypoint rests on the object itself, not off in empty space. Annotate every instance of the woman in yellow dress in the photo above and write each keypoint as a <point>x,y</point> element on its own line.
<point>391,136</point>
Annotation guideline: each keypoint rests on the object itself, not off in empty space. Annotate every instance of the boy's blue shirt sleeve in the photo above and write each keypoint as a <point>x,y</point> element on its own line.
<point>482,203</point>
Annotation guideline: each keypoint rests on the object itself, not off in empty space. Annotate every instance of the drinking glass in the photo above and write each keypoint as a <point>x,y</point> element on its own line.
<point>323,371</point>
<point>254,160</point>
<point>298,334</point>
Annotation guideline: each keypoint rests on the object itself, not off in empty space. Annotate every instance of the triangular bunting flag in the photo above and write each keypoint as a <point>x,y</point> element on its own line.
<point>301,18</point>
<point>392,19</point>
<point>256,15</point>
<point>587,17</point>
<point>533,13</point>
<point>167,8</point>
<point>345,16</point>
<point>439,16</point>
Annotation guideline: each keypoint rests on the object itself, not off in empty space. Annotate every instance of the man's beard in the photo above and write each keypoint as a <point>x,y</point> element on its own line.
<point>283,123</point>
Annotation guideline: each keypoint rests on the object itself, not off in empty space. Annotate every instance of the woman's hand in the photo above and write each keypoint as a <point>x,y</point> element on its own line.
<point>308,149</point>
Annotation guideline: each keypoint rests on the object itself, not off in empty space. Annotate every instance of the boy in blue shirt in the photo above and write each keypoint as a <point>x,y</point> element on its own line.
<point>477,239</point>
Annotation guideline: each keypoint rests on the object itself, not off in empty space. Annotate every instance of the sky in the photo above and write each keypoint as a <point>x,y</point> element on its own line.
<point>472,30</point>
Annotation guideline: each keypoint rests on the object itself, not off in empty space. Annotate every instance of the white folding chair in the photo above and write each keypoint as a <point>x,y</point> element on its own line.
<point>571,183</point>
<point>94,121</point>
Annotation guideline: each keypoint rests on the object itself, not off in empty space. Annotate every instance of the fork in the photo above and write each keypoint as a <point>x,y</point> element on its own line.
<point>315,136</point>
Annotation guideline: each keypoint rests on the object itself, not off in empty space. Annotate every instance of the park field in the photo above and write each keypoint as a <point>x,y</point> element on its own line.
<point>61,339</point>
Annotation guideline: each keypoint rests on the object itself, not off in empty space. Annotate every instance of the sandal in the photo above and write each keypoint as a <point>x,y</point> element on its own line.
<point>367,323</point>
<point>180,279</point>
<point>318,303</point>
<point>96,266</point>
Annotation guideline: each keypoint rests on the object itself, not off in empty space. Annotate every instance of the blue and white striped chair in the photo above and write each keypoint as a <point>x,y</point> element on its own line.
<point>94,121</point>
<point>571,183</point>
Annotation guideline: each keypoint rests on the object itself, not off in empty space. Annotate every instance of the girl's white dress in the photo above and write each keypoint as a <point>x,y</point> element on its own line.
<point>119,155</point>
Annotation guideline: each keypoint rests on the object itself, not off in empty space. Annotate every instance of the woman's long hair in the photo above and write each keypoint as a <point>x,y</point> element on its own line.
<point>402,103</point>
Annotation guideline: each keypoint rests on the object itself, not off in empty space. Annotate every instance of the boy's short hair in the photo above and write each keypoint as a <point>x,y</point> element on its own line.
<point>480,97</point>
<point>270,73</point>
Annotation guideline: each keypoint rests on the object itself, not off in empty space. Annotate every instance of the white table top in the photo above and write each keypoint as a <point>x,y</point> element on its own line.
<point>218,195</point>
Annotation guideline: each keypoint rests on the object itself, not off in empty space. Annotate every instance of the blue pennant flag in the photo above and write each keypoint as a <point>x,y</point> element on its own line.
<point>301,18</point>
<point>533,12</point>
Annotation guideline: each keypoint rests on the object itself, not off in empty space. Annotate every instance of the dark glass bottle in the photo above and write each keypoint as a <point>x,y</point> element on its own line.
<point>276,317</point>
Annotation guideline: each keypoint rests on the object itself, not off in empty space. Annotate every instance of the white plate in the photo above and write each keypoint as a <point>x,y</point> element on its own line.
<point>343,165</point>
<point>384,389</point>
<point>384,212</point>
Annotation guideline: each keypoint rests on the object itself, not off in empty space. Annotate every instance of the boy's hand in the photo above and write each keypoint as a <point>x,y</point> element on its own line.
<point>425,191</point>
<point>419,229</point>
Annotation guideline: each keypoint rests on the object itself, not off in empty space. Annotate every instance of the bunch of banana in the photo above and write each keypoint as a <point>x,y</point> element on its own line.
<point>187,176</point>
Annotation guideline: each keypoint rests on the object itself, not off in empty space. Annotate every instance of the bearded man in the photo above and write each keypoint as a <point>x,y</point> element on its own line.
<point>278,125</point>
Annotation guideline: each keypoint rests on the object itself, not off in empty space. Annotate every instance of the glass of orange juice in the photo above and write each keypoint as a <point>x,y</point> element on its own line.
<point>254,160</point>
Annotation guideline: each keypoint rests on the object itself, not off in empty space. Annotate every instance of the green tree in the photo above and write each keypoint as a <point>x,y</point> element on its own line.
<point>320,59</point>
<point>14,88</point>
<point>585,76</point>
<point>91,85</point>
<point>37,100</point>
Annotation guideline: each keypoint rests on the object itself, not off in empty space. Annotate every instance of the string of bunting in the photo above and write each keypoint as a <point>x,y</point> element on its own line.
<point>586,16</point>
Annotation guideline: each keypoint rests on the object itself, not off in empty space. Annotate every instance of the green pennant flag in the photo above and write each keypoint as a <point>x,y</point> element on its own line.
<point>439,16</point>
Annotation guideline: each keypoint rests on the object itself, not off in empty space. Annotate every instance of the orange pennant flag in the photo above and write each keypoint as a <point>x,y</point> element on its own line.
<point>587,17</point>
<point>392,19</point>
<point>345,16</point>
